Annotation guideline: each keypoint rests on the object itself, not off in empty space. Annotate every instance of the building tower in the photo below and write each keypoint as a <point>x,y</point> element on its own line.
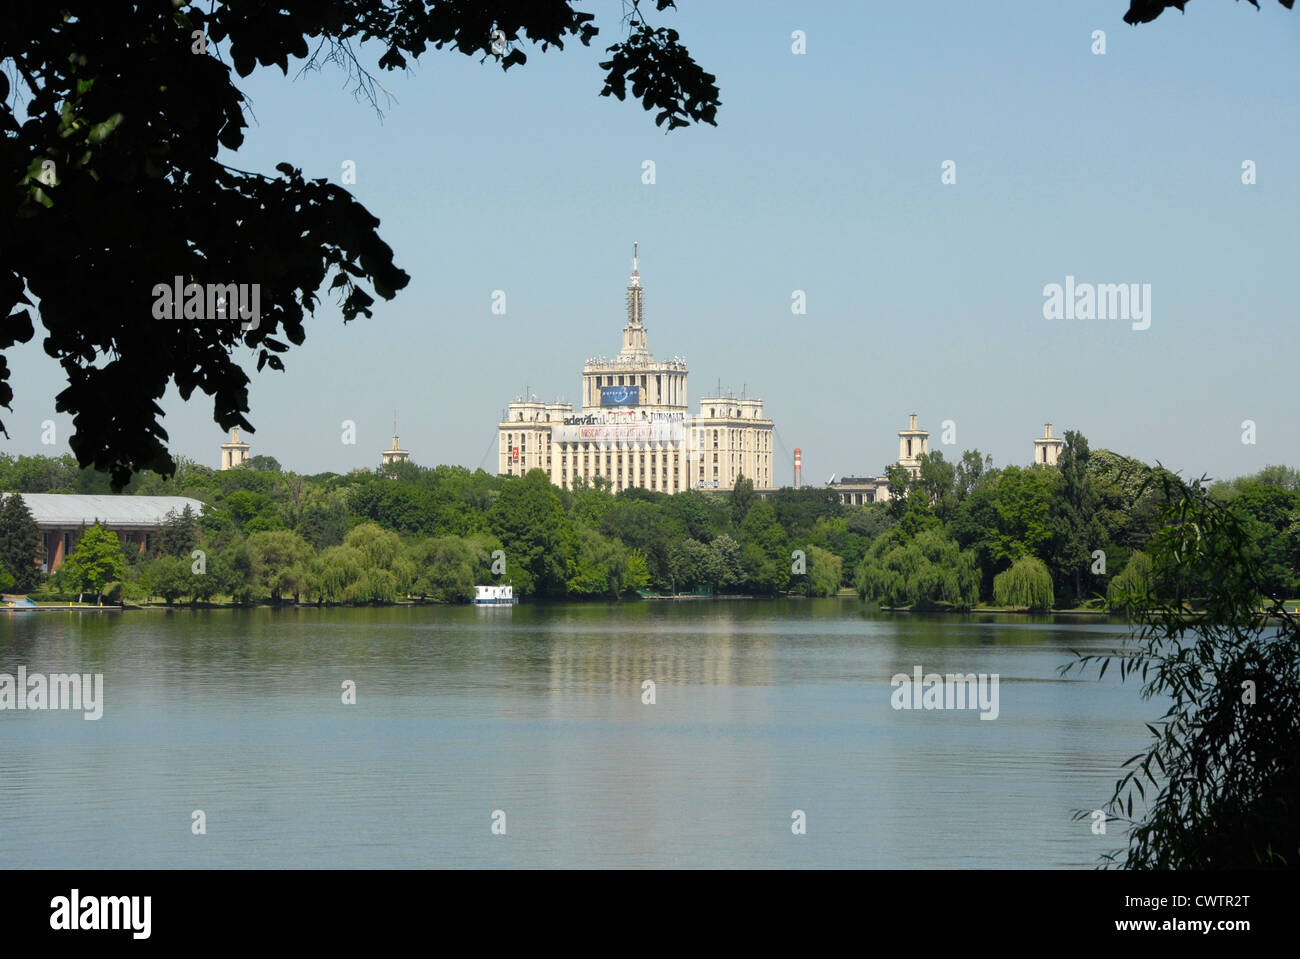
<point>634,345</point>
<point>912,442</point>
<point>233,453</point>
<point>396,454</point>
<point>633,380</point>
<point>1047,447</point>
<point>633,427</point>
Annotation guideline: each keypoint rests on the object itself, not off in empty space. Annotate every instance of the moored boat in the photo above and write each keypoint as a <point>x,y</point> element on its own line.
<point>494,596</point>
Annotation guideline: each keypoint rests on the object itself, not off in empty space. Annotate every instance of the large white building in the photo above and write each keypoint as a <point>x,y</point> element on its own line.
<point>635,427</point>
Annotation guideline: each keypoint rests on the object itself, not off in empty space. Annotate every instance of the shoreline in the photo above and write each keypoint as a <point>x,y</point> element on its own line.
<point>1099,614</point>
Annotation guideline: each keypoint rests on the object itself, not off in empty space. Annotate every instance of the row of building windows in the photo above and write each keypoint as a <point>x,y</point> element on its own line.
<point>631,381</point>
<point>675,391</point>
<point>651,473</point>
<point>735,437</point>
<point>590,457</point>
<point>618,454</point>
<point>642,470</point>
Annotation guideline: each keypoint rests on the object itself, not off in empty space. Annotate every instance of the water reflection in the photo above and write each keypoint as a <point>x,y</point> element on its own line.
<point>761,708</point>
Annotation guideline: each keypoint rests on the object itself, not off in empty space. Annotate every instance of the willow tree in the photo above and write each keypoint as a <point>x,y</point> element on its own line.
<point>1218,786</point>
<point>928,571</point>
<point>825,570</point>
<point>1131,589</point>
<point>1027,583</point>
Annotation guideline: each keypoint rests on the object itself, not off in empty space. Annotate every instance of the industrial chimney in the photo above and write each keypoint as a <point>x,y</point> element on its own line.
<point>798,467</point>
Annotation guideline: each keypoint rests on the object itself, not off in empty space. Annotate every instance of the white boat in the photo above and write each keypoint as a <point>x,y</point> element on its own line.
<point>494,596</point>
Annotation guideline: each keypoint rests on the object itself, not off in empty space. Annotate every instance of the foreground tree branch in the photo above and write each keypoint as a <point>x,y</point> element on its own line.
<point>116,202</point>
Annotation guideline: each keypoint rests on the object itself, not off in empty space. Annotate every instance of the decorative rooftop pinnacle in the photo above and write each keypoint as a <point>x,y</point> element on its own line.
<point>634,343</point>
<point>635,295</point>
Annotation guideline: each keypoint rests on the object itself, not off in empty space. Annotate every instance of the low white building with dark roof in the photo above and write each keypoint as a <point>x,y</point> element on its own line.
<point>61,517</point>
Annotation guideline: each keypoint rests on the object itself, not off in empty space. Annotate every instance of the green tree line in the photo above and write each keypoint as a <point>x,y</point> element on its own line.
<point>959,534</point>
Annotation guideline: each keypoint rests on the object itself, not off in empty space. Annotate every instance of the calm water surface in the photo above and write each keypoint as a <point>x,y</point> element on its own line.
<point>763,707</point>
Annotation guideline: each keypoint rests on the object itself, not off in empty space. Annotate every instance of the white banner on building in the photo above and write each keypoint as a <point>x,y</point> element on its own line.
<point>641,433</point>
<point>626,417</point>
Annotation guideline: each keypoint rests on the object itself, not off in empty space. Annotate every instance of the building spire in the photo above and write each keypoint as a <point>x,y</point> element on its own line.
<point>635,295</point>
<point>634,346</point>
<point>396,454</point>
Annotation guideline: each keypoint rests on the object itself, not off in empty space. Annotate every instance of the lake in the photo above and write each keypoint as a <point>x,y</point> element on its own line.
<point>532,718</point>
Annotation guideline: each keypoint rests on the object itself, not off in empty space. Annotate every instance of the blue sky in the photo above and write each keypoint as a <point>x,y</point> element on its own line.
<point>823,175</point>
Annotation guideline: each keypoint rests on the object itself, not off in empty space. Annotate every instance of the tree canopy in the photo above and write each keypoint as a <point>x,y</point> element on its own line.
<point>112,117</point>
<point>1218,785</point>
<point>96,561</point>
<point>1144,11</point>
